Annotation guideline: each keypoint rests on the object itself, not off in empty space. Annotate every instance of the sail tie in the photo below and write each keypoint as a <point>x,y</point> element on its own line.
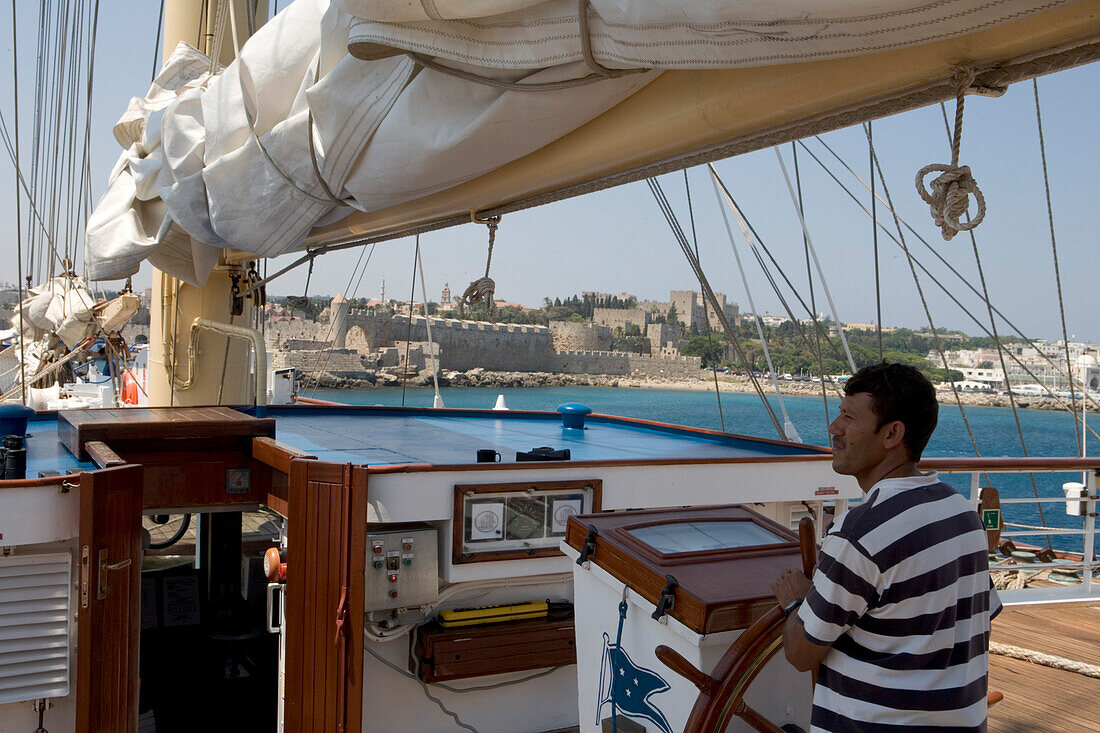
<point>948,195</point>
<point>483,288</point>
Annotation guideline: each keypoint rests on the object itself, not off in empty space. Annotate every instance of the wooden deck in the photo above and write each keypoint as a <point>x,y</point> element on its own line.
<point>1039,698</point>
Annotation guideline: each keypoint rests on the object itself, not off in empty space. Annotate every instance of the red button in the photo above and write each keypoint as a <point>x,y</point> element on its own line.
<point>393,578</point>
<point>408,546</point>
<point>378,548</point>
<point>393,594</point>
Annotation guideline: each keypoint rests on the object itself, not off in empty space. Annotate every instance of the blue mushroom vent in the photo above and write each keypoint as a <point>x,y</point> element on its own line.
<point>13,419</point>
<point>573,414</point>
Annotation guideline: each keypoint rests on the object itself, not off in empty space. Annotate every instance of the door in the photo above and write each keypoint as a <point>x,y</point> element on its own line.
<point>109,615</point>
<point>326,555</point>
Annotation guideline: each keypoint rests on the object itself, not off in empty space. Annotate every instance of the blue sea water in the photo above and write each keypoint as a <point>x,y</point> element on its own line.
<point>1046,433</point>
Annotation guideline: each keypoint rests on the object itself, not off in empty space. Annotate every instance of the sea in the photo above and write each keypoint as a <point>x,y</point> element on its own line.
<point>1045,433</point>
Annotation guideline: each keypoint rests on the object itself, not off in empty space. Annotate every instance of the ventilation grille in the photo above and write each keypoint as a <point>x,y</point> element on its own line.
<point>34,626</point>
<point>805,509</point>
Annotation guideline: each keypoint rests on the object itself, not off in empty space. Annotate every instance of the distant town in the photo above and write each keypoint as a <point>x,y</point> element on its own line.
<point>371,341</point>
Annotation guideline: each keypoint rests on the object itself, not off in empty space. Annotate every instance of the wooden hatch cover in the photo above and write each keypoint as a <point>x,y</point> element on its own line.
<point>138,428</point>
<point>725,586</point>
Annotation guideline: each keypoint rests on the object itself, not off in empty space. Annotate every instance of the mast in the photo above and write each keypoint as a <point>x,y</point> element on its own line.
<point>218,376</point>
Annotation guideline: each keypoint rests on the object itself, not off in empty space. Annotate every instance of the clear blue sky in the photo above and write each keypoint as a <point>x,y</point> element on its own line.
<point>618,241</point>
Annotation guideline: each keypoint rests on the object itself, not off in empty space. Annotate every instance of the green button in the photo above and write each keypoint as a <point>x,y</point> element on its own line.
<point>408,561</point>
<point>378,564</point>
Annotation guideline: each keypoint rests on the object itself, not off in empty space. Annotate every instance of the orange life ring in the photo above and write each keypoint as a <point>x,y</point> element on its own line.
<point>129,389</point>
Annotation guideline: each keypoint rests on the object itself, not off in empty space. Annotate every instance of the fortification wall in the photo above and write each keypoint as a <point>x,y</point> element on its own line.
<point>338,362</point>
<point>622,364</point>
<point>505,347</point>
<point>621,317</point>
<point>580,336</point>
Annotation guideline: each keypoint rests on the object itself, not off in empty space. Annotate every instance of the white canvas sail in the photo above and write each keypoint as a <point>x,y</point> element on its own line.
<point>342,108</point>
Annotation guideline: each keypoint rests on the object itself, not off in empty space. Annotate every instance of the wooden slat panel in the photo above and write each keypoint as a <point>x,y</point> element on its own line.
<point>108,627</point>
<point>327,549</point>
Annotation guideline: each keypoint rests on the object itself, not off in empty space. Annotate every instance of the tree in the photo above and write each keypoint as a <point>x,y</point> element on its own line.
<point>712,350</point>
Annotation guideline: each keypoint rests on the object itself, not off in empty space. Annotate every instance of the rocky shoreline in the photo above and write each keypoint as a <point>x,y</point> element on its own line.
<point>393,377</point>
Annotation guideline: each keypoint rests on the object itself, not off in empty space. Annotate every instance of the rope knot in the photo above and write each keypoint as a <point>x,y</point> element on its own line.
<point>949,197</point>
<point>479,290</point>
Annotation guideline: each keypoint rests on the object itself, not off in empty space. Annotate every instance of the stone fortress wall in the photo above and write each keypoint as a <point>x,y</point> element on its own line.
<point>565,348</point>
<point>618,363</point>
<point>580,336</point>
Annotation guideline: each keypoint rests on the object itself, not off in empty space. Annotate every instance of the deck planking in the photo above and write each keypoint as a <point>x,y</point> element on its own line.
<point>1039,698</point>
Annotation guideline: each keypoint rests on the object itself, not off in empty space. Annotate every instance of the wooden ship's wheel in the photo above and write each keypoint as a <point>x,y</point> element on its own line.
<point>722,692</point>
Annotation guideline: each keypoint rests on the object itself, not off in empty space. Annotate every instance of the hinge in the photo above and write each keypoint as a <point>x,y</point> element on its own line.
<point>85,568</point>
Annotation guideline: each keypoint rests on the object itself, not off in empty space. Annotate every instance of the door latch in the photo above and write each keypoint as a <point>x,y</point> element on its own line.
<point>101,591</point>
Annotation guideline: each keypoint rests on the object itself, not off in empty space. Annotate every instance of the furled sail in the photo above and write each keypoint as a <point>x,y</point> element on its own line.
<point>354,118</point>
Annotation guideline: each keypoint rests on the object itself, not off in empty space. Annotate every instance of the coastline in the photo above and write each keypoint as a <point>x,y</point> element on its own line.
<point>392,376</point>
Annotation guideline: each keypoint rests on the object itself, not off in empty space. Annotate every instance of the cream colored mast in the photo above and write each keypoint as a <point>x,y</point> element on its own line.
<point>199,351</point>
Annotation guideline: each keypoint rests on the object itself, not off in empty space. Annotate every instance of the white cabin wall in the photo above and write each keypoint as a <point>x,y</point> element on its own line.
<point>20,717</point>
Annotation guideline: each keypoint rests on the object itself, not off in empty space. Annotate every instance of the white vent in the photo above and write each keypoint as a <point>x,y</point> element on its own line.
<point>811,509</point>
<point>34,626</point>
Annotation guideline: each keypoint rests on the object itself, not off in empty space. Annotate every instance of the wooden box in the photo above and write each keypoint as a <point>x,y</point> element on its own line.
<point>474,651</point>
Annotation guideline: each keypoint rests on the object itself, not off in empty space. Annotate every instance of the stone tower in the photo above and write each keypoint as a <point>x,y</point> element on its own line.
<point>339,311</point>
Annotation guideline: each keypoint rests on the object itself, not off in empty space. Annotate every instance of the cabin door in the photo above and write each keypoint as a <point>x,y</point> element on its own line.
<point>326,556</point>
<point>109,615</point>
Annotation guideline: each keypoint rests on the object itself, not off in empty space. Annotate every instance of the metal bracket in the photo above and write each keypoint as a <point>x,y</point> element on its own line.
<point>589,545</point>
<point>667,599</point>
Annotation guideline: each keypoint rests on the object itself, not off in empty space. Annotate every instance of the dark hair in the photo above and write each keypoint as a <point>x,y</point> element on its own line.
<point>899,392</point>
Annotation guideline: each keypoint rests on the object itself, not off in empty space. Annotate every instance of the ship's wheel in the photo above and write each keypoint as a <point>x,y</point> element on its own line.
<point>722,692</point>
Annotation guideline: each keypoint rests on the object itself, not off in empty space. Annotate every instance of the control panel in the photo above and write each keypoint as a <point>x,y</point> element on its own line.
<point>402,566</point>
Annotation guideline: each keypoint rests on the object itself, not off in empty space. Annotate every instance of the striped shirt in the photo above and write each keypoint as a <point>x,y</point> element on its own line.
<point>902,595</point>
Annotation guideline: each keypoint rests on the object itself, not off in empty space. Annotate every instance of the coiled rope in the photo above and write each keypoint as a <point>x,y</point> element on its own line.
<point>950,192</point>
<point>483,288</point>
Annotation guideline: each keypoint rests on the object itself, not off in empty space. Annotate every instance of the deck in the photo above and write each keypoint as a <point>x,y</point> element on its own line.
<point>1039,698</point>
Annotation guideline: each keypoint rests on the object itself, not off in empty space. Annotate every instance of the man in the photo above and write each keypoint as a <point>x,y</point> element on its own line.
<point>896,618</point>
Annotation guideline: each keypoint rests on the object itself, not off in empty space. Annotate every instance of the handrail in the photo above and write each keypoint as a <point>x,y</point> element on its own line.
<point>996,465</point>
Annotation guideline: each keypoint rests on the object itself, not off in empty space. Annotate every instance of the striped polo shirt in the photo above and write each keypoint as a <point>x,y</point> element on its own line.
<point>902,594</point>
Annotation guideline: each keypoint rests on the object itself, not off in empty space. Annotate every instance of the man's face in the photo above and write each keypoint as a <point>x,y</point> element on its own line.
<point>857,446</point>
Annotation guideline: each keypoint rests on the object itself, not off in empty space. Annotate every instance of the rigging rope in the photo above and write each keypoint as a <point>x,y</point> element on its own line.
<point>810,280</point>
<point>1057,272</point>
<point>710,331</point>
<point>483,288</point>
<point>18,228</point>
<point>817,263</point>
<point>949,197</point>
<point>996,337</point>
<point>788,426</point>
<point>352,293</point>
<point>704,284</point>
<point>1047,660</point>
<point>775,286</point>
<point>408,331</point>
<point>874,237</point>
<point>920,291</point>
<point>1018,333</point>
<point>432,353</point>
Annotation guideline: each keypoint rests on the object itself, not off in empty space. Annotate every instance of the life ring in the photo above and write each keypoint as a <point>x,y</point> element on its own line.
<point>129,389</point>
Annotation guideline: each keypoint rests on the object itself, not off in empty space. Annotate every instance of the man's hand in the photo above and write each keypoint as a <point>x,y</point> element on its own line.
<point>803,654</point>
<point>792,585</point>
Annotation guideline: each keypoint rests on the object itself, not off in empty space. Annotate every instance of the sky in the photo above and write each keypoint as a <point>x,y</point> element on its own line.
<point>617,240</point>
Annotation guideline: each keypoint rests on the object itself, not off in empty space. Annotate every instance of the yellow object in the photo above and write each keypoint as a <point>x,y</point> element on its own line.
<point>492,614</point>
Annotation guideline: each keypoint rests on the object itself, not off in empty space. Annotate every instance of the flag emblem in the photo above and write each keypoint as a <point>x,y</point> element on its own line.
<point>629,687</point>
